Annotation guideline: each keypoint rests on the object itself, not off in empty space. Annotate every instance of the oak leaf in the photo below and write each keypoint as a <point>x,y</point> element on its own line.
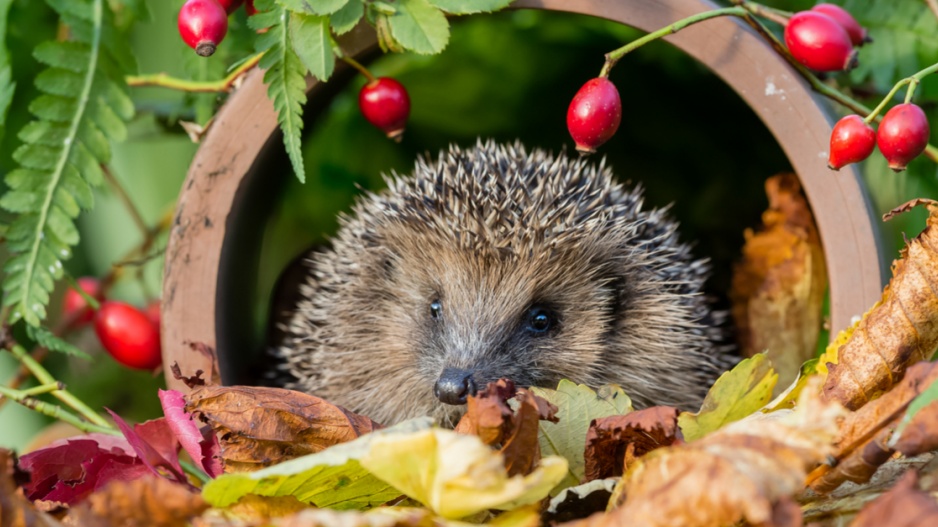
<point>902,506</point>
<point>778,286</point>
<point>259,426</point>
<point>149,501</point>
<point>577,406</point>
<point>736,394</point>
<point>614,443</point>
<point>900,331</point>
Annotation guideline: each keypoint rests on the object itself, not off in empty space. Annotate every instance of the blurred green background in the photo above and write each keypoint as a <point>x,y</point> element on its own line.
<point>685,137</point>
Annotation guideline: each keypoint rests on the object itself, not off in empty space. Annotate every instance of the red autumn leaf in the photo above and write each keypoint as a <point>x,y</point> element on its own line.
<point>66,471</point>
<point>15,510</point>
<point>155,444</point>
<point>613,443</point>
<point>200,443</point>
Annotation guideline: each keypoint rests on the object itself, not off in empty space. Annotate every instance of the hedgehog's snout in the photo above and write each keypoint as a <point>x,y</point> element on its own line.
<point>454,386</point>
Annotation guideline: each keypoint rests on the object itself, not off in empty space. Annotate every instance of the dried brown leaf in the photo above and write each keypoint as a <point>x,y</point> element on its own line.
<point>861,444</point>
<point>900,331</point>
<point>778,286</point>
<point>259,426</point>
<point>921,433</point>
<point>746,471</point>
<point>903,506</point>
<point>614,443</point>
<point>514,432</point>
<point>150,501</point>
<point>16,510</point>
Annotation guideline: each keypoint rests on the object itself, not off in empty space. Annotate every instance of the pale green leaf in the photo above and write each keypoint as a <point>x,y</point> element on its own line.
<point>466,7</point>
<point>419,27</point>
<point>312,42</point>
<point>347,18</point>
<point>331,478</point>
<point>313,7</point>
<point>577,405</point>
<point>737,393</point>
<point>48,340</point>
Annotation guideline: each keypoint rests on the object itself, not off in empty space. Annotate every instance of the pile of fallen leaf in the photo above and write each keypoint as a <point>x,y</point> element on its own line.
<point>851,441</point>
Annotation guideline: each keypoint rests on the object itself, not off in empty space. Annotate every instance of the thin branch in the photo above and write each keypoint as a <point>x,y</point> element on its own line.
<point>167,81</point>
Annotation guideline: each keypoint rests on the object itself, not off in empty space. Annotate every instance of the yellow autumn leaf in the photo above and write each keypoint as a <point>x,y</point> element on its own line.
<point>457,475</point>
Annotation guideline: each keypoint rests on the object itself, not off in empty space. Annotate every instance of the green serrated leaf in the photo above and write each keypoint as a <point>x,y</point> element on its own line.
<point>331,478</point>
<point>48,340</point>
<point>82,107</point>
<point>737,393</point>
<point>313,7</point>
<point>313,43</point>
<point>7,86</point>
<point>467,7</point>
<point>347,18</point>
<point>286,83</point>
<point>577,405</point>
<point>419,27</point>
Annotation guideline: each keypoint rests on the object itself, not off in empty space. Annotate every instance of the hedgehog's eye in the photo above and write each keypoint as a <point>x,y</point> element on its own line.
<point>436,309</point>
<point>540,320</point>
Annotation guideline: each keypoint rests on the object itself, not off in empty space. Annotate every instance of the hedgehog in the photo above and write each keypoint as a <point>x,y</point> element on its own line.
<point>494,262</point>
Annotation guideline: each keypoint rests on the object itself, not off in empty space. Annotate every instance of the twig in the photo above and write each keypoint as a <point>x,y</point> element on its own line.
<point>55,412</point>
<point>168,81</point>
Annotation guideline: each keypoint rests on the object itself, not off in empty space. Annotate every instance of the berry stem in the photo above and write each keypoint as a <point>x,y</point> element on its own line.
<point>873,115</point>
<point>44,377</point>
<point>357,65</point>
<point>167,81</point>
<point>931,152</point>
<point>614,56</point>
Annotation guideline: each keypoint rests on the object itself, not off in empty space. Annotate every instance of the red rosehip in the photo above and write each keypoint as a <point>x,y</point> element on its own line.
<point>249,7</point>
<point>230,6</point>
<point>73,302</point>
<point>858,35</point>
<point>902,135</point>
<point>202,25</point>
<point>594,114</point>
<point>385,104</point>
<point>128,335</point>
<point>852,141</point>
<point>819,42</point>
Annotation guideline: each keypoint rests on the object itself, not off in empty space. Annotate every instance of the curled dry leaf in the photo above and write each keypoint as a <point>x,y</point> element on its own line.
<point>514,432</point>
<point>902,506</point>
<point>900,331</point>
<point>778,286</point>
<point>614,443</point>
<point>260,426</point>
<point>15,510</point>
<point>150,501</point>
<point>861,443</point>
<point>747,471</point>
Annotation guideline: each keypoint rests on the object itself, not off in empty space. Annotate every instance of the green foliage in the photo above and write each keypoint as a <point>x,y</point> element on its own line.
<point>737,393</point>
<point>420,27</point>
<point>48,340</point>
<point>346,18</point>
<point>313,7</point>
<point>313,42</point>
<point>577,405</point>
<point>7,86</point>
<point>467,7</point>
<point>82,109</point>
<point>285,77</point>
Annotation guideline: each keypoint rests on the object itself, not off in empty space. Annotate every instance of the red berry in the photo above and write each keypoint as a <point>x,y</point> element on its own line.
<point>74,302</point>
<point>857,32</point>
<point>249,7</point>
<point>385,104</point>
<point>819,42</point>
<point>202,25</point>
<point>594,114</point>
<point>902,135</point>
<point>230,6</point>
<point>852,141</point>
<point>128,335</point>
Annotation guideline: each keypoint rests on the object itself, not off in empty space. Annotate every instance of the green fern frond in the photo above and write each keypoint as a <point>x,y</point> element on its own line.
<point>48,340</point>
<point>285,77</point>
<point>83,108</point>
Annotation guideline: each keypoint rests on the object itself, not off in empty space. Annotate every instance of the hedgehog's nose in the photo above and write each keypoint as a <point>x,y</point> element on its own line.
<point>454,386</point>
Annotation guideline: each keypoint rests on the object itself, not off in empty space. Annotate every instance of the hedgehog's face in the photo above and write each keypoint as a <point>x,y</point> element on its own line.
<point>473,318</point>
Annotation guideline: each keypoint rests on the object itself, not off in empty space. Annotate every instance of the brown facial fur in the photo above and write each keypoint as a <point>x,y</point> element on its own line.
<point>490,232</point>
